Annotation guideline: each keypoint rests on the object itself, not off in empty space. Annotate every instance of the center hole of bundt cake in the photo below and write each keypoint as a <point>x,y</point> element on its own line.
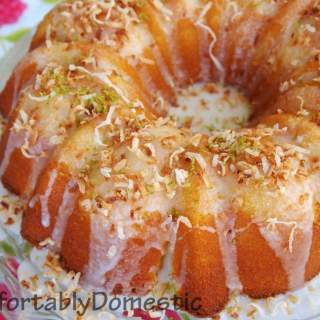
<point>206,107</point>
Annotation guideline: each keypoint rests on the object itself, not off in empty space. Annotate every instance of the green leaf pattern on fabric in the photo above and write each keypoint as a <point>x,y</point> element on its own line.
<point>7,248</point>
<point>51,1</point>
<point>15,36</point>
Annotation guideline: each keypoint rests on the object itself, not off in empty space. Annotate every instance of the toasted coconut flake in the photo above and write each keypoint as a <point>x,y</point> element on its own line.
<point>112,251</point>
<point>265,165</point>
<point>86,205</point>
<point>206,28</point>
<point>310,28</point>
<point>147,61</point>
<point>162,8</point>
<point>195,140</point>
<point>181,176</point>
<point>174,155</point>
<point>106,172</point>
<point>105,123</point>
<point>185,221</point>
<point>152,149</point>
<point>47,242</point>
<point>40,98</point>
<point>273,222</point>
<point>198,157</point>
<point>120,231</point>
<point>120,165</point>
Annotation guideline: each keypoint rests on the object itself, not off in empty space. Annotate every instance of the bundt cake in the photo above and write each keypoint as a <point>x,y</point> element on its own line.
<point>115,186</point>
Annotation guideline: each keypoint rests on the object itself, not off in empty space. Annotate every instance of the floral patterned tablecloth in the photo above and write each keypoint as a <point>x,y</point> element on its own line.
<point>18,17</point>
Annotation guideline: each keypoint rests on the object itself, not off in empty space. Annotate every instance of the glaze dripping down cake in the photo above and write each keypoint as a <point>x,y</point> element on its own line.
<point>117,185</point>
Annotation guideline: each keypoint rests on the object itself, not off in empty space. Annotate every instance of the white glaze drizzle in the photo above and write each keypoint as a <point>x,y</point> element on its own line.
<point>64,212</point>
<point>205,61</point>
<point>100,243</point>
<point>294,263</point>
<point>44,199</point>
<point>37,166</point>
<point>179,72</point>
<point>14,141</point>
<point>291,237</point>
<point>225,225</point>
<point>165,272</point>
<point>163,68</point>
<point>103,240</point>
